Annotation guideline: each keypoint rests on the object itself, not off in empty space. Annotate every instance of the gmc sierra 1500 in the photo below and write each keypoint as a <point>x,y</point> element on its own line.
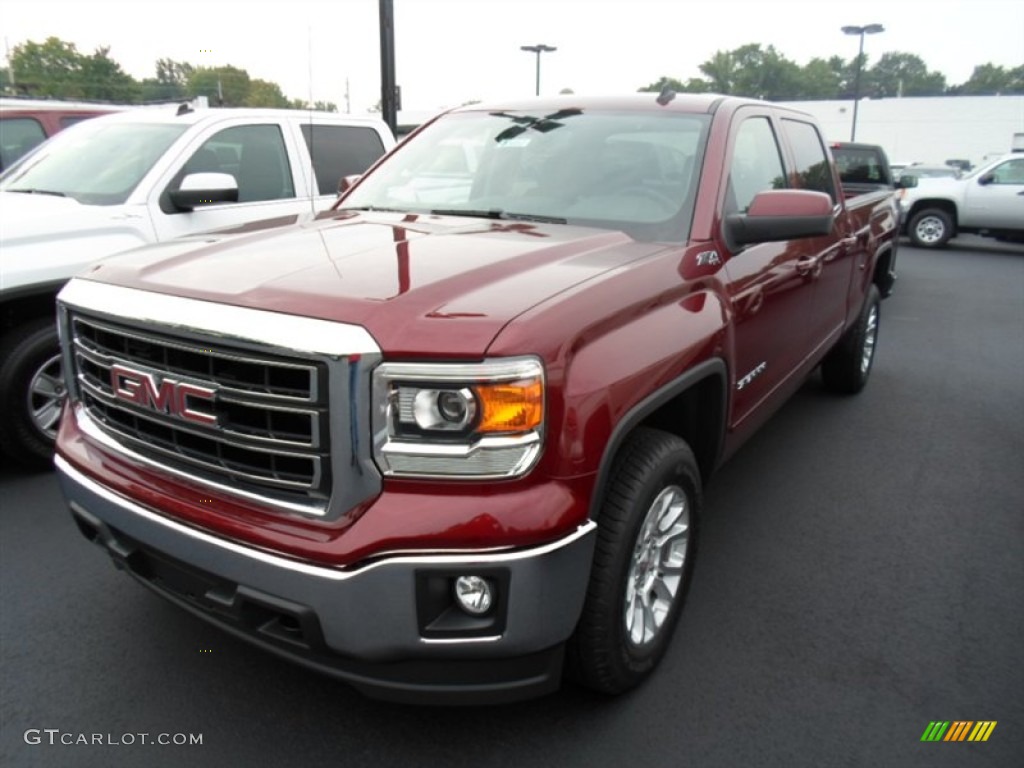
<point>455,431</point>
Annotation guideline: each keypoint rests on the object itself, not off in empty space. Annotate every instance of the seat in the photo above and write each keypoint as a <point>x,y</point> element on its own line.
<point>262,172</point>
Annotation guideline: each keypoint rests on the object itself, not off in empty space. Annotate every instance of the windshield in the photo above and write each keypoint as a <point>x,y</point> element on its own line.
<point>95,164</point>
<point>629,171</point>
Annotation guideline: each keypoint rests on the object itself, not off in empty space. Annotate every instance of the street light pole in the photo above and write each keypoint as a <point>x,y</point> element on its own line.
<point>538,49</point>
<point>869,29</point>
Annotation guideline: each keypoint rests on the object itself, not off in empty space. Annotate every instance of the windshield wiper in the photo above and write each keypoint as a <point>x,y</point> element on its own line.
<point>375,208</point>
<point>497,213</point>
<point>53,192</point>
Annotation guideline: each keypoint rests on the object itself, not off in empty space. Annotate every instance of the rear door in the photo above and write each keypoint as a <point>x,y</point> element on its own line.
<point>829,260</point>
<point>771,288</point>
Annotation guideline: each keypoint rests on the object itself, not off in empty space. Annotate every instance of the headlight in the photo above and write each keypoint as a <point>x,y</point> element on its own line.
<point>452,420</point>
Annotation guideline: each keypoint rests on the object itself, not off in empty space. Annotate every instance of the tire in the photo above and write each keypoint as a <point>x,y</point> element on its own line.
<point>848,364</point>
<point>930,228</point>
<point>623,632</point>
<point>32,393</point>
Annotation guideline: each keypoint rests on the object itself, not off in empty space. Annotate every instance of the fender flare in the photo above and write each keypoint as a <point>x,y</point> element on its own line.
<point>713,368</point>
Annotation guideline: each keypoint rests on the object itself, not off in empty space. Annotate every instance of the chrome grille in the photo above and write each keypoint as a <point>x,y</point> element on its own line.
<point>256,421</point>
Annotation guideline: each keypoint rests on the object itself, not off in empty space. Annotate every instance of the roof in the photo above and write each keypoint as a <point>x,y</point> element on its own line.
<point>681,102</point>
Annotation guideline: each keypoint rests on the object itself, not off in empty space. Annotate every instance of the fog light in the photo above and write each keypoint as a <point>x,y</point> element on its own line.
<point>475,595</point>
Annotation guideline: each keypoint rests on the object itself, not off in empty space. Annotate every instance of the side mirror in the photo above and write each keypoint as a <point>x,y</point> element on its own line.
<point>986,178</point>
<point>347,182</point>
<point>907,181</point>
<point>783,214</point>
<point>199,189</point>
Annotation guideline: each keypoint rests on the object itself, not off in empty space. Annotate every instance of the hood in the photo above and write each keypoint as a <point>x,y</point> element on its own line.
<point>31,218</point>
<point>418,283</point>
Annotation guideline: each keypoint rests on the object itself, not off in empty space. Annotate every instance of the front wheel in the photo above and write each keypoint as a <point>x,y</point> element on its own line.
<point>930,228</point>
<point>642,563</point>
<point>32,393</point>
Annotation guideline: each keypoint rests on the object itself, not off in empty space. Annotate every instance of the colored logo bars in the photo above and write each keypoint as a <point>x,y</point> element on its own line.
<point>958,730</point>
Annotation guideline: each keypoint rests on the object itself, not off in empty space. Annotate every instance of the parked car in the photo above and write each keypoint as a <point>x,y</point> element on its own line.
<point>923,171</point>
<point>142,176</point>
<point>26,124</point>
<point>989,201</point>
<point>437,450</point>
<point>864,170</point>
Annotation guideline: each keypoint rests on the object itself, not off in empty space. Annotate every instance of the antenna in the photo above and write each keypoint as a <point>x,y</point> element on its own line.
<point>313,187</point>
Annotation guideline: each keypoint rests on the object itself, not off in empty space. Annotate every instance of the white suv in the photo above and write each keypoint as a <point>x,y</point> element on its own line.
<point>142,176</point>
<point>989,201</point>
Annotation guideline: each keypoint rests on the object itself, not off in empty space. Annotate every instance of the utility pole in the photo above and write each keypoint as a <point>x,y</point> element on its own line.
<point>388,88</point>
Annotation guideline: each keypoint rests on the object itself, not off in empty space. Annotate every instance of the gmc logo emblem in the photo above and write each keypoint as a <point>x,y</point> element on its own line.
<point>175,398</point>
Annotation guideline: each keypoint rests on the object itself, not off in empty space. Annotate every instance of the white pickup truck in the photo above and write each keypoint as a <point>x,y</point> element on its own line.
<point>143,176</point>
<point>989,201</point>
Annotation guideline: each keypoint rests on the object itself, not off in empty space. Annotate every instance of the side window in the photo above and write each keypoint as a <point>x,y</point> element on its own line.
<point>1010,172</point>
<point>17,136</point>
<point>812,169</point>
<point>254,154</point>
<point>756,164</point>
<point>339,151</point>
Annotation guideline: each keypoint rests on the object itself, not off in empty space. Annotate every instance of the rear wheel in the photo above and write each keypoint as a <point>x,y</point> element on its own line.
<point>642,563</point>
<point>930,228</point>
<point>32,393</point>
<point>847,366</point>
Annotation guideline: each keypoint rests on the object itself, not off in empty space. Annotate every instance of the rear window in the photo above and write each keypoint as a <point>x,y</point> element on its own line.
<point>813,170</point>
<point>339,151</point>
<point>17,136</point>
<point>859,166</point>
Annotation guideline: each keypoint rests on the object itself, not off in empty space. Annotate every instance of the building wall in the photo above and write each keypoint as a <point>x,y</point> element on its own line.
<point>926,130</point>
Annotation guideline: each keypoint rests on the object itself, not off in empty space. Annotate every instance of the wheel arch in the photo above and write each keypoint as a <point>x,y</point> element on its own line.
<point>693,407</point>
<point>23,305</point>
<point>947,206</point>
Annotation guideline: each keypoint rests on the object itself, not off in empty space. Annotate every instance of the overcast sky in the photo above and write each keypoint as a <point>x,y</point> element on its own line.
<point>451,51</point>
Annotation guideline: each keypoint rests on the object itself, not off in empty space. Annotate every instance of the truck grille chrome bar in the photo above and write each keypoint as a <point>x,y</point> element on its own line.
<point>227,413</point>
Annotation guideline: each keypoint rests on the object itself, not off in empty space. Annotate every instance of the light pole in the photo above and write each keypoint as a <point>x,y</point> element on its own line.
<point>869,29</point>
<point>538,49</point>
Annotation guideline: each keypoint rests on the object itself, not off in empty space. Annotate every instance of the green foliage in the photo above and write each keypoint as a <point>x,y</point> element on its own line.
<point>903,74</point>
<point>102,79</point>
<point>761,72</point>
<point>50,69</point>
<point>225,86</point>
<point>318,106</point>
<point>265,94</point>
<point>992,80</point>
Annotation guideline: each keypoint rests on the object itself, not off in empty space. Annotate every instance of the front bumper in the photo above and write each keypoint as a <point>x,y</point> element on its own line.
<point>383,627</point>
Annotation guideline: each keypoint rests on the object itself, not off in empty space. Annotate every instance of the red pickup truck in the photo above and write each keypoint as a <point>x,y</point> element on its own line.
<point>453,433</point>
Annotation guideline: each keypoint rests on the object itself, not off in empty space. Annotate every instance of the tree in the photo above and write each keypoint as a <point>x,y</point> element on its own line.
<point>720,71</point>
<point>102,79</point>
<point>319,106</point>
<point>224,86</point>
<point>763,73</point>
<point>266,94</point>
<point>903,74</point>
<point>170,83</point>
<point>822,79</point>
<point>50,69</point>
<point>991,80</point>
<point>661,84</point>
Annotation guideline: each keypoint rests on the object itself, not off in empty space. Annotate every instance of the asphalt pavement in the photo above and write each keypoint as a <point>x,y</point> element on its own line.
<point>860,575</point>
